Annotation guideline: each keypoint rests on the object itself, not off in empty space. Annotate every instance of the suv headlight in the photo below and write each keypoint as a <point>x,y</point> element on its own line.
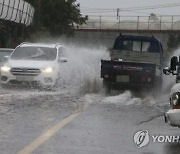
<point>47,70</point>
<point>5,69</point>
<point>176,98</point>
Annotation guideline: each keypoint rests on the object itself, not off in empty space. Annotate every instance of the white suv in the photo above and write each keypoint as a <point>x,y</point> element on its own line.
<point>34,63</point>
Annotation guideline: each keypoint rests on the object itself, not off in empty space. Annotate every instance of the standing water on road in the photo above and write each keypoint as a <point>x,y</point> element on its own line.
<point>109,123</point>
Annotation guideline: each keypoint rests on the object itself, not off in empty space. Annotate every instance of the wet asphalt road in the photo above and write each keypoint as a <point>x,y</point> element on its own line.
<point>103,125</point>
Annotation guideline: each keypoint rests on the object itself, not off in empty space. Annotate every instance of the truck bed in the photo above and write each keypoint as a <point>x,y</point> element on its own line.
<point>128,73</point>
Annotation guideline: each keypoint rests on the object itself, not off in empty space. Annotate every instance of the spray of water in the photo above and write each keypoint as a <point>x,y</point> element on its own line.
<point>124,99</point>
<point>82,71</point>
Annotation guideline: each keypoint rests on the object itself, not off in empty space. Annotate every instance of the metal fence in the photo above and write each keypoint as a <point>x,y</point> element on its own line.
<point>152,22</point>
<point>18,11</point>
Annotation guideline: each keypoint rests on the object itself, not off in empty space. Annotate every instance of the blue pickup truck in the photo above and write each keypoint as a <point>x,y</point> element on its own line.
<point>135,62</point>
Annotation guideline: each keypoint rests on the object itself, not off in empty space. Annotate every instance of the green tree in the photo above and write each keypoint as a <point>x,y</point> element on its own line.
<point>57,16</point>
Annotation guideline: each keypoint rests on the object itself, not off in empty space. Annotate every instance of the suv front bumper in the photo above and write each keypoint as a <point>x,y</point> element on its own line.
<point>42,79</point>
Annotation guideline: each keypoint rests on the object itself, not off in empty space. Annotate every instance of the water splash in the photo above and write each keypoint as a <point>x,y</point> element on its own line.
<point>82,71</point>
<point>124,99</point>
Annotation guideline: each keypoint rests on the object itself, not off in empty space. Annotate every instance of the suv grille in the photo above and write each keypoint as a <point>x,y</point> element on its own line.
<point>25,71</point>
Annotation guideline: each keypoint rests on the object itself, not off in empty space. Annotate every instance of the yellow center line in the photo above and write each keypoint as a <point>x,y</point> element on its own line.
<point>52,131</point>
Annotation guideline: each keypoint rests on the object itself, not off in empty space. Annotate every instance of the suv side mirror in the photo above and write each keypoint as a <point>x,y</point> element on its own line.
<point>62,60</point>
<point>6,57</point>
<point>174,63</point>
<point>167,71</point>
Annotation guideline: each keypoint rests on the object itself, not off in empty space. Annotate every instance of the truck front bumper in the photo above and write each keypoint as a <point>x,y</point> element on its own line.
<point>172,117</point>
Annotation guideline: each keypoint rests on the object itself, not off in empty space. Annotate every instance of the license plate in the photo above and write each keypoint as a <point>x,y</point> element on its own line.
<point>122,78</point>
<point>25,78</point>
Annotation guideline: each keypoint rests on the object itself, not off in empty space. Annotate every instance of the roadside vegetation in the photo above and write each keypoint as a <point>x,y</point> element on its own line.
<point>56,17</point>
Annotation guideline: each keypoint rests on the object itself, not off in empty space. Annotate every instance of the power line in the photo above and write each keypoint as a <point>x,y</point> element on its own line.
<point>105,10</point>
<point>152,7</point>
<point>99,11</point>
<point>90,8</point>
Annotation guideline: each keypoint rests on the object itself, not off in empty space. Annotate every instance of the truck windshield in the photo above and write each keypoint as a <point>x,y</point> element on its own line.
<point>144,46</point>
<point>34,53</point>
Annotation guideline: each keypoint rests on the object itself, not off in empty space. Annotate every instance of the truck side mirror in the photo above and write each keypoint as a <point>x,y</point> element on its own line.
<point>109,49</point>
<point>174,63</point>
<point>167,71</point>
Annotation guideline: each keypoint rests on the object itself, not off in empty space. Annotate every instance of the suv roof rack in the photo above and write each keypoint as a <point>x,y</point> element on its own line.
<point>54,44</point>
<point>24,43</point>
<point>57,44</point>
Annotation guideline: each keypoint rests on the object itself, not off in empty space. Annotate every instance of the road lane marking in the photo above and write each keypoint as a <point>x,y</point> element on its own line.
<point>44,137</point>
<point>52,131</point>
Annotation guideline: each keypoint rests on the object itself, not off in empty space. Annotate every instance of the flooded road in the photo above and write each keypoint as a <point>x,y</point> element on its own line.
<point>103,124</point>
<point>79,118</point>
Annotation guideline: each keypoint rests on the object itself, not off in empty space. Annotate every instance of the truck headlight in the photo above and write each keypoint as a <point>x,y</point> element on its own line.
<point>5,69</point>
<point>47,70</point>
<point>176,98</point>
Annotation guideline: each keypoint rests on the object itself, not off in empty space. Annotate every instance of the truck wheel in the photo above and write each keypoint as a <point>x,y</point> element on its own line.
<point>157,90</point>
<point>165,118</point>
<point>107,87</point>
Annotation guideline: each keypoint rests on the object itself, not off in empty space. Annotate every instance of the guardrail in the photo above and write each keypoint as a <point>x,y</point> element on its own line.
<point>152,22</point>
<point>18,11</point>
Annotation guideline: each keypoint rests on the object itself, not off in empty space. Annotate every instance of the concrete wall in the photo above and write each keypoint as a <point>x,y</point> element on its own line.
<point>106,38</point>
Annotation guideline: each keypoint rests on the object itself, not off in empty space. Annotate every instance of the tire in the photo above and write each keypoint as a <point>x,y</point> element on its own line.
<point>107,87</point>
<point>165,118</point>
<point>157,89</point>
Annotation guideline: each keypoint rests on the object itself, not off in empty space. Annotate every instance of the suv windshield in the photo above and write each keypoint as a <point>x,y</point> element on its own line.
<point>34,53</point>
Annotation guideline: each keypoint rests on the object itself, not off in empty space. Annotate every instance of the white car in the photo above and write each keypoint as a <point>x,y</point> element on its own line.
<point>173,115</point>
<point>34,63</point>
<point>4,55</point>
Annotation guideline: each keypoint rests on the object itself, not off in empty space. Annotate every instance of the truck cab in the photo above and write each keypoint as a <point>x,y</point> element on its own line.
<point>174,68</point>
<point>137,49</point>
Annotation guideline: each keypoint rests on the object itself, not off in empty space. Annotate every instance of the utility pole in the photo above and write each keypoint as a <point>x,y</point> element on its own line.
<point>118,13</point>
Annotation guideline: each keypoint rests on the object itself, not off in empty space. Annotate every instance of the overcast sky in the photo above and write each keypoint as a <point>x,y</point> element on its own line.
<point>88,5</point>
